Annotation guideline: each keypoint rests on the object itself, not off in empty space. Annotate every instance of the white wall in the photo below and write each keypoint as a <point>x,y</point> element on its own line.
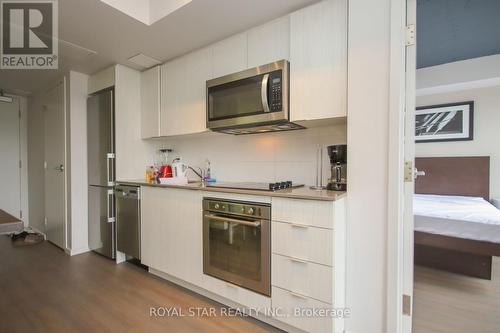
<point>266,157</point>
<point>77,168</point>
<point>23,102</point>
<point>477,80</point>
<point>486,130</point>
<point>36,172</point>
<point>459,75</point>
<point>367,140</point>
<point>132,152</point>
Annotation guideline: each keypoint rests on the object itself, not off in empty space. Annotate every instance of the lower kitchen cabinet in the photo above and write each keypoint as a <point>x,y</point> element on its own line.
<point>307,259</point>
<point>172,232</point>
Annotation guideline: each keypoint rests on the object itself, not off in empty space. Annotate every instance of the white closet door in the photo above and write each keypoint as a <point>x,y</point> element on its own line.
<point>10,180</point>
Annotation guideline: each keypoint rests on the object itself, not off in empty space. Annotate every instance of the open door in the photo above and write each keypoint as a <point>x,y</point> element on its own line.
<point>55,172</point>
<point>10,179</point>
<point>410,171</point>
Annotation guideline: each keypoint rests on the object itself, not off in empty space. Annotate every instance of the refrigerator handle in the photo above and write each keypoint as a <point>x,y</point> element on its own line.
<point>111,207</point>
<point>110,168</point>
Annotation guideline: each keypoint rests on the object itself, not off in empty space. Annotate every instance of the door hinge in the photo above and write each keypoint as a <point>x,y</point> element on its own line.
<point>20,214</point>
<point>45,221</point>
<point>406,305</point>
<point>410,34</point>
<point>20,164</point>
<point>409,172</point>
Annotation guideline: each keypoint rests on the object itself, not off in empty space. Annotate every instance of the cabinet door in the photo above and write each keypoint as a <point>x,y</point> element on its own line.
<point>154,246</point>
<point>183,217</point>
<point>229,55</point>
<point>150,103</point>
<point>198,69</point>
<point>318,61</point>
<point>171,239</point>
<point>269,42</point>
<point>172,93</point>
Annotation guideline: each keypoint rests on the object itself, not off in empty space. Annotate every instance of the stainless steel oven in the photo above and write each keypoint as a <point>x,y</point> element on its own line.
<point>252,98</point>
<point>237,244</point>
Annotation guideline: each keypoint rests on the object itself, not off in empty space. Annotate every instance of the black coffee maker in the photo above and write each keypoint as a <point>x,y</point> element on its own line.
<point>338,163</point>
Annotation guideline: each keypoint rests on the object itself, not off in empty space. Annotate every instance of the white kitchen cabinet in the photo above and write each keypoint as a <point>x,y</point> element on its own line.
<point>171,240</point>
<point>318,61</point>
<point>309,273</point>
<point>229,55</point>
<point>150,102</point>
<point>172,94</point>
<point>269,42</point>
<point>183,95</point>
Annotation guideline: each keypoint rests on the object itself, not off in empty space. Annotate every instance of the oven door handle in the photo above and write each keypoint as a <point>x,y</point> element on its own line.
<point>263,92</point>
<point>236,221</point>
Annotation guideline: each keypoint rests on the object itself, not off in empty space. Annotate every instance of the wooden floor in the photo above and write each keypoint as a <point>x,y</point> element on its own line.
<point>44,290</point>
<point>450,303</point>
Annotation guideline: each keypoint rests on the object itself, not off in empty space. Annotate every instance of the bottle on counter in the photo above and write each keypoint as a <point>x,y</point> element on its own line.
<point>149,175</point>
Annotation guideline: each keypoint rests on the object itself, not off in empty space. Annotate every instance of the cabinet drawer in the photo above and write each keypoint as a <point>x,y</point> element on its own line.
<point>288,303</point>
<point>236,294</point>
<point>302,277</point>
<point>306,212</point>
<point>304,242</point>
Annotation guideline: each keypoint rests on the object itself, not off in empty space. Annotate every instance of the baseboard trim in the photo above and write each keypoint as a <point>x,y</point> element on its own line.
<point>74,252</point>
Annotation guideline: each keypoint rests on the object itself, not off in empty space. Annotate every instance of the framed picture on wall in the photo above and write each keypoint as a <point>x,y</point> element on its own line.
<point>445,122</point>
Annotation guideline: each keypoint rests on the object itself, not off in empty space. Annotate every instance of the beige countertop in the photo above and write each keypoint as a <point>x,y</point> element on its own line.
<point>296,193</point>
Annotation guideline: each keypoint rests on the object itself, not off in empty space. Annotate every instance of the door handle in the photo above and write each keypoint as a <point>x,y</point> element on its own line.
<point>111,207</point>
<point>418,173</point>
<point>110,170</point>
<point>59,168</point>
<point>263,93</point>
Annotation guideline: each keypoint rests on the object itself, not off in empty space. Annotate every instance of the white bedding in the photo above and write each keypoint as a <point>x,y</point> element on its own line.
<point>457,216</point>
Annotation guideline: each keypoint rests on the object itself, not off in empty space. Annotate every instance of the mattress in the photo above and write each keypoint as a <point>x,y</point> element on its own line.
<point>457,216</point>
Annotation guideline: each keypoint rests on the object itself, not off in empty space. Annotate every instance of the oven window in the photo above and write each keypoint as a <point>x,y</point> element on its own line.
<point>235,248</point>
<point>235,99</point>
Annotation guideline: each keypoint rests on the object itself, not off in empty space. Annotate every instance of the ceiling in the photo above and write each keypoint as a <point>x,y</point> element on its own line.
<point>453,30</point>
<point>115,36</point>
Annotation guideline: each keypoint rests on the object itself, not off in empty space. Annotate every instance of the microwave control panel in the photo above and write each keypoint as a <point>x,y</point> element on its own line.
<point>275,85</point>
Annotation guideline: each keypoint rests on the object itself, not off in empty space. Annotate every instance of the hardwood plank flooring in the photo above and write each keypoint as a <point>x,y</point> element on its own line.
<point>44,290</point>
<point>451,303</point>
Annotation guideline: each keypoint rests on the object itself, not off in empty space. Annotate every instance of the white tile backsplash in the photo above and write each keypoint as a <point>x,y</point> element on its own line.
<point>264,157</point>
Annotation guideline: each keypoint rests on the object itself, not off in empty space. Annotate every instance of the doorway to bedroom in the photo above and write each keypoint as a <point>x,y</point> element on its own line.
<point>457,203</point>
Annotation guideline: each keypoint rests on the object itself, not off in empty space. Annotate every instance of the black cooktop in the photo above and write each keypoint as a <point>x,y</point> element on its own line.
<point>256,185</point>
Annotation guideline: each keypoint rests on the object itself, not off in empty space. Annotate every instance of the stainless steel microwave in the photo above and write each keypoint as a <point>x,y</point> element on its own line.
<point>254,100</point>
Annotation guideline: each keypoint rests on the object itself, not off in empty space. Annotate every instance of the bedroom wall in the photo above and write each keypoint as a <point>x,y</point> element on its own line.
<point>486,130</point>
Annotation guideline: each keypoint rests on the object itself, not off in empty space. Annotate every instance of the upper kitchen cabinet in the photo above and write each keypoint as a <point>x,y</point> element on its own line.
<point>269,42</point>
<point>150,102</point>
<point>229,55</point>
<point>318,61</point>
<point>183,106</point>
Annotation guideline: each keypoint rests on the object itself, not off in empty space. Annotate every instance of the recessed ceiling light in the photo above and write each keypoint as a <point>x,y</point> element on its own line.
<point>147,11</point>
<point>144,61</point>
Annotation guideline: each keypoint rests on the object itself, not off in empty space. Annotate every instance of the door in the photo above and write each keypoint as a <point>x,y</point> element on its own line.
<point>101,220</point>
<point>128,223</point>
<point>100,139</point>
<point>10,201</point>
<point>55,145</point>
<point>409,185</point>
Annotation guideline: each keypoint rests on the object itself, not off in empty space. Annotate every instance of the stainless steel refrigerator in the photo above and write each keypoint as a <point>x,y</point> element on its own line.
<point>101,172</point>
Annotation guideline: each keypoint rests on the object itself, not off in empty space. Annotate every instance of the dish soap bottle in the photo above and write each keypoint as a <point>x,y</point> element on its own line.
<point>208,173</point>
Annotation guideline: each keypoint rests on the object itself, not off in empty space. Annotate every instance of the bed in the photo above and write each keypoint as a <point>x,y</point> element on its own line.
<point>456,228</point>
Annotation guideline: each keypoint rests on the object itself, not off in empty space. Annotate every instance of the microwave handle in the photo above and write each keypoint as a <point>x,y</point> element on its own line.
<point>263,92</point>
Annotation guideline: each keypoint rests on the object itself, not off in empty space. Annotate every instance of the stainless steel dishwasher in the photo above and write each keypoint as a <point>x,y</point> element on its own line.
<point>128,220</point>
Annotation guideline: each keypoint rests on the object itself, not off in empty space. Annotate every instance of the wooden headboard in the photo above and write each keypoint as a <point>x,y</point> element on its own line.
<point>469,176</point>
